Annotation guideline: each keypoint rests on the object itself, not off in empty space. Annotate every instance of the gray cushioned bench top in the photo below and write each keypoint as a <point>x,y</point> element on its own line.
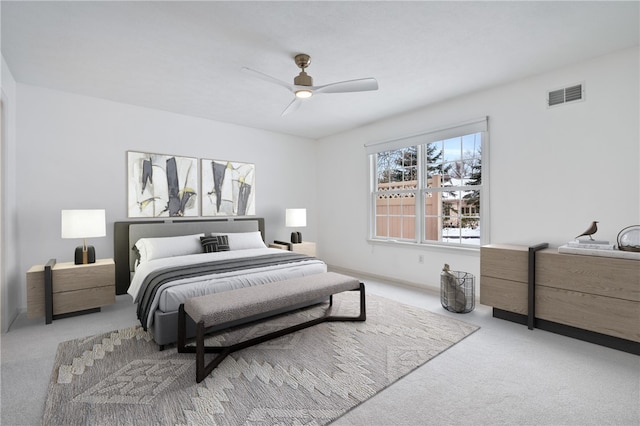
<point>220,308</point>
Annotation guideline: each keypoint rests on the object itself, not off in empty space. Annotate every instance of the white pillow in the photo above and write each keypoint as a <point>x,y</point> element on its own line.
<point>157,248</point>
<point>243,240</point>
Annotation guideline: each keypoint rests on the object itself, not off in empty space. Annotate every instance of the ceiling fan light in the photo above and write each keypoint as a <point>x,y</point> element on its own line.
<point>304,93</point>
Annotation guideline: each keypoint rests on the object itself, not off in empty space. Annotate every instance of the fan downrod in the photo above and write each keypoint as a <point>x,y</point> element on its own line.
<point>303,79</point>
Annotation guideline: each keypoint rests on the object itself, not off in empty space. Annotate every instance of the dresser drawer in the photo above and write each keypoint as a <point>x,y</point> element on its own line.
<point>503,294</point>
<point>609,277</point>
<point>504,261</point>
<point>606,315</point>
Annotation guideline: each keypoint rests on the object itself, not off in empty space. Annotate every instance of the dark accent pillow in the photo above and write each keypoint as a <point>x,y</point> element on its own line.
<point>214,244</point>
<point>137,254</point>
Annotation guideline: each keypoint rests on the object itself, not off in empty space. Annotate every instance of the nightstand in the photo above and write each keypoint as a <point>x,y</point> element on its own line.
<point>75,289</point>
<point>305,247</point>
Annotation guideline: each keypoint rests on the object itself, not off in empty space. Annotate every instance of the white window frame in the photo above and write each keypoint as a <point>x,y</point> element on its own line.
<point>470,127</point>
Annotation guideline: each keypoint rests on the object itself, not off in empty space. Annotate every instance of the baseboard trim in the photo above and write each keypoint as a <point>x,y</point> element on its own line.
<point>403,283</point>
<point>11,318</point>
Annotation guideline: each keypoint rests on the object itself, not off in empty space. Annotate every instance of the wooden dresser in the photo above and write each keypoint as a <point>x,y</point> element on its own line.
<point>588,297</point>
<point>75,288</point>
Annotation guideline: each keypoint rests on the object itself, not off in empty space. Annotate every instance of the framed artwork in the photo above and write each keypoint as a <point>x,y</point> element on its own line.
<point>162,185</point>
<point>228,188</point>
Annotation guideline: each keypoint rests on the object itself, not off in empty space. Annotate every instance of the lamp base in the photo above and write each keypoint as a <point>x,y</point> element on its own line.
<point>296,237</point>
<point>84,257</point>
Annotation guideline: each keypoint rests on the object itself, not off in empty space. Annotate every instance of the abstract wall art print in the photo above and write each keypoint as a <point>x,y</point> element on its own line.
<point>162,185</point>
<point>228,188</point>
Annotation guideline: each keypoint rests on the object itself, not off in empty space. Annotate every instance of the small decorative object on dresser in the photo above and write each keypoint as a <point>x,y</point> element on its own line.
<point>57,290</point>
<point>629,239</point>
<point>592,229</point>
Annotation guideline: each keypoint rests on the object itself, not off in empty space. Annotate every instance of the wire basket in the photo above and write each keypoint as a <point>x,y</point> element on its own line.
<point>457,292</point>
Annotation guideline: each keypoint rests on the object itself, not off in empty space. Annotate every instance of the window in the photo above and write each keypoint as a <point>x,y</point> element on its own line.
<point>428,188</point>
<point>396,193</point>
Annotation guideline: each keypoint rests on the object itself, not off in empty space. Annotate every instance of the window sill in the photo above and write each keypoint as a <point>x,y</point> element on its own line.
<point>431,246</point>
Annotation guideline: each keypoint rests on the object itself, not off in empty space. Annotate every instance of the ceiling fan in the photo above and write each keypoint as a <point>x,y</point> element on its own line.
<point>303,87</point>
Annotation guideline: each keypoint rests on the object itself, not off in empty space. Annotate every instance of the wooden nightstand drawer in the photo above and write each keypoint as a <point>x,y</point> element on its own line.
<point>68,276</point>
<point>80,300</point>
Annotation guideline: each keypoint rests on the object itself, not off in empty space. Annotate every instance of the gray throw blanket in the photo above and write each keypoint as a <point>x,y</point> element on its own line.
<point>153,282</point>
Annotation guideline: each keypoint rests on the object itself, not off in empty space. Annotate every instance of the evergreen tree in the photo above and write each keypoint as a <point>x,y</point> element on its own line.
<point>434,159</point>
<point>401,165</point>
<point>473,198</point>
<point>406,167</point>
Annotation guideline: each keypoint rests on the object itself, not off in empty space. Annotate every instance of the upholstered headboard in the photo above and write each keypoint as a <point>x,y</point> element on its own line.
<point>127,233</point>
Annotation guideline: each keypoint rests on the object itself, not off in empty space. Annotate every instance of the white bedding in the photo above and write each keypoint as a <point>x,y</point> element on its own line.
<point>171,295</point>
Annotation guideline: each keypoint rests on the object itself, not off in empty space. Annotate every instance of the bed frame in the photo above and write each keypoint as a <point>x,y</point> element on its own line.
<point>165,324</point>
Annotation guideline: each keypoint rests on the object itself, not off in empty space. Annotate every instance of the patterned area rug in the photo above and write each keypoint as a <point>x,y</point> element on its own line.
<point>309,377</point>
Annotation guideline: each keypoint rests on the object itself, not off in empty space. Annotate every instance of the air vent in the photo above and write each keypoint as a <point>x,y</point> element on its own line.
<point>567,94</point>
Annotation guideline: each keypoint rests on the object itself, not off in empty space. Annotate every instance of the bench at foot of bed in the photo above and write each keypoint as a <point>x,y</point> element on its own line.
<point>215,309</point>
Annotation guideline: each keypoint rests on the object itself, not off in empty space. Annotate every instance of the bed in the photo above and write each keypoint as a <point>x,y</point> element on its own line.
<point>161,264</point>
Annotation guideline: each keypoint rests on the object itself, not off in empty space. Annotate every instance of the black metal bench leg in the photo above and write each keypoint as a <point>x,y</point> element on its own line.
<point>363,309</point>
<point>202,370</point>
<point>182,329</point>
<point>200,373</point>
<point>363,304</point>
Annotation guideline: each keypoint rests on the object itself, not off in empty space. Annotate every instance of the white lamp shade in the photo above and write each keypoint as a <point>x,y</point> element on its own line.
<point>83,223</point>
<point>296,217</point>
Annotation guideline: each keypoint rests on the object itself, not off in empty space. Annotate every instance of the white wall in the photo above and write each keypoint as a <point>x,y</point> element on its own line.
<point>10,301</point>
<point>552,170</point>
<point>72,154</point>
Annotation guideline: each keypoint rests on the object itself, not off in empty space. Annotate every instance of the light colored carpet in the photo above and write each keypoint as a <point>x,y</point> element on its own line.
<point>309,377</point>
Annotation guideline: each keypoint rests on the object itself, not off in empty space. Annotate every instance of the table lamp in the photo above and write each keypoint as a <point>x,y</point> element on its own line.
<point>295,218</point>
<point>83,224</point>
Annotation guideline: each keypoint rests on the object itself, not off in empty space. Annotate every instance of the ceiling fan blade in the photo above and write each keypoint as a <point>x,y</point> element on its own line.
<point>267,78</point>
<point>360,85</point>
<point>294,105</point>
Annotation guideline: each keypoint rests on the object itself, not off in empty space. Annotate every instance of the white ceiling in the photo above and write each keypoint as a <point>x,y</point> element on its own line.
<point>186,57</point>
